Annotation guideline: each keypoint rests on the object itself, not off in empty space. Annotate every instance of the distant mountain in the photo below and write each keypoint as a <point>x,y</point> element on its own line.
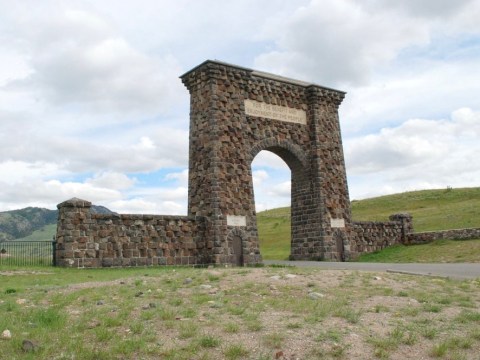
<point>20,223</point>
<point>99,209</point>
<point>16,224</point>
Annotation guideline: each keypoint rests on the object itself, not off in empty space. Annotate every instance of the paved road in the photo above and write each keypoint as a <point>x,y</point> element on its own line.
<point>454,271</point>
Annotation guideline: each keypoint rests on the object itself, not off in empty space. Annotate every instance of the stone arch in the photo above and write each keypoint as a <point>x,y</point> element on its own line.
<point>234,114</point>
<point>296,159</point>
<point>290,153</point>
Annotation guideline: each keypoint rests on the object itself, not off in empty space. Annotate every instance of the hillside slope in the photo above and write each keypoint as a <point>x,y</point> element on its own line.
<point>431,210</point>
<point>34,223</point>
<point>16,224</point>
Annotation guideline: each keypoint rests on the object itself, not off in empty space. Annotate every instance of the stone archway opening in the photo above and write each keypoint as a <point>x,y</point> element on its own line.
<point>272,195</point>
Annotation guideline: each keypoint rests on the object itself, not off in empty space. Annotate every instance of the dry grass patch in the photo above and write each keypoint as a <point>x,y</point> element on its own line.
<point>255,313</point>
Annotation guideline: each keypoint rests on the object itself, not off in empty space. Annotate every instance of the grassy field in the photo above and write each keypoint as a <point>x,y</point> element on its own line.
<point>35,253</point>
<point>431,210</point>
<point>44,234</point>
<point>253,313</point>
<point>440,251</point>
<point>274,233</point>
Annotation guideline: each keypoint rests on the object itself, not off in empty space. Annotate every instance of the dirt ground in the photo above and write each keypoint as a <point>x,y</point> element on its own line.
<point>354,315</point>
<point>261,313</point>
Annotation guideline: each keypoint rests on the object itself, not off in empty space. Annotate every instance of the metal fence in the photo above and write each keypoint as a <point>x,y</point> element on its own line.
<point>27,253</point>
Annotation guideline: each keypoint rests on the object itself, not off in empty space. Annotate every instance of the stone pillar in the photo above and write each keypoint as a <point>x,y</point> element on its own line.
<point>218,171</point>
<point>328,176</point>
<point>406,221</point>
<point>73,222</point>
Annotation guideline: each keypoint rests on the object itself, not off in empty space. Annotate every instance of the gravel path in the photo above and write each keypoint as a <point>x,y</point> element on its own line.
<point>454,271</point>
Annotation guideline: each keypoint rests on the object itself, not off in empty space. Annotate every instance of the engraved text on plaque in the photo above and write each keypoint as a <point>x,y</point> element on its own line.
<point>275,112</point>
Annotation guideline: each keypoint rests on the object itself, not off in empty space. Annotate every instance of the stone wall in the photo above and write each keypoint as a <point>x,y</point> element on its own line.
<point>455,234</point>
<point>92,240</point>
<point>86,239</point>
<point>370,236</point>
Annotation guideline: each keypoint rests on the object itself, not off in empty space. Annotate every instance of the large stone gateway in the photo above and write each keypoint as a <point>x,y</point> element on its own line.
<point>234,114</point>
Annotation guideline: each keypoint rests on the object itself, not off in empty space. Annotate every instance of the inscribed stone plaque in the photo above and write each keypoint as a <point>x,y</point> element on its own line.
<point>275,112</point>
<point>236,220</point>
<point>337,223</point>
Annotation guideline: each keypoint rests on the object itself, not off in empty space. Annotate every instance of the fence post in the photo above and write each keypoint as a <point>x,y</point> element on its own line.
<point>54,251</point>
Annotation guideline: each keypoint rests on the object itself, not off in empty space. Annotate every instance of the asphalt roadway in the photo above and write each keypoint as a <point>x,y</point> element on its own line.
<point>460,271</point>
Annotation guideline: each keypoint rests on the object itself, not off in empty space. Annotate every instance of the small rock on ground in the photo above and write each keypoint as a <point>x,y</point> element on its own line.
<point>315,295</point>
<point>214,273</point>
<point>29,346</point>
<point>93,324</point>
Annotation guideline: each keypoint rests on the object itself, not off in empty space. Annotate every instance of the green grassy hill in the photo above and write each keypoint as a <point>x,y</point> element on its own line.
<point>45,233</point>
<point>16,224</point>
<point>431,210</point>
<point>274,233</point>
<point>34,224</point>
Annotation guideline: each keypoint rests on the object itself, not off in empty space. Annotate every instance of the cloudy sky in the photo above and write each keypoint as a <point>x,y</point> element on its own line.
<point>91,104</point>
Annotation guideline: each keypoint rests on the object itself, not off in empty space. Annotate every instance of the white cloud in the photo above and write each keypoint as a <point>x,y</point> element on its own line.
<point>418,154</point>
<point>181,177</point>
<point>111,180</point>
<point>18,171</point>
<point>426,8</point>
<point>76,154</point>
<point>157,200</point>
<point>14,66</point>
<point>259,176</point>
<point>282,190</point>
<point>271,181</point>
<point>49,193</point>
<point>77,59</point>
<point>339,42</point>
<point>161,193</point>
<point>142,206</point>
<point>433,88</point>
<point>116,191</point>
<point>91,89</point>
<point>145,144</point>
<point>268,159</point>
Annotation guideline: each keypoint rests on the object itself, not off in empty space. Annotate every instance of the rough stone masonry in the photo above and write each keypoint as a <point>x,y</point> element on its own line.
<point>234,114</point>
